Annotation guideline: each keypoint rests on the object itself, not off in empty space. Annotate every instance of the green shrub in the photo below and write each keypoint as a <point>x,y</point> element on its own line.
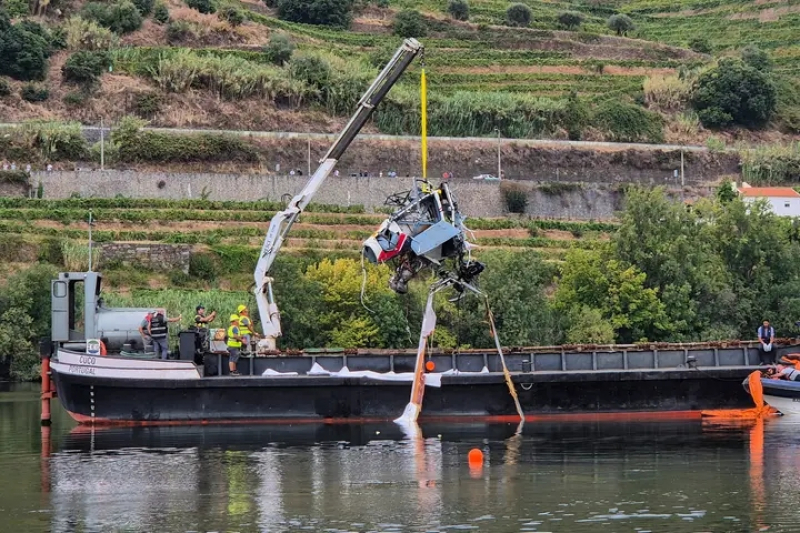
<point>179,31</point>
<point>137,146</point>
<point>120,17</point>
<point>335,13</point>
<point>515,197</point>
<point>145,7</point>
<point>734,92</point>
<point>5,88</point>
<point>24,49</point>
<point>620,24</point>
<point>576,116</point>
<point>756,58</point>
<point>409,23</point>
<point>700,45</point>
<point>14,176</point>
<point>518,15</point>
<point>88,35</point>
<point>16,8</point>
<point>313,70</point>
<point>179,278</point>
<point>458,9</point>
<point>161,13</point>
<point>147,104</point>
<point>233,15</point>
<point>75,99</point>
<point>622,122</point>
<point>123,17</point>
<point>202,266</point>
<point>203,6</point>
<point>279,50</point>
<point>570,19</point>
<point>86,67</point>
<point>32,92</point>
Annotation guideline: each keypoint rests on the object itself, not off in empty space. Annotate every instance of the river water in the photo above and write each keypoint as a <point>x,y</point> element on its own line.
<point>657,475</point>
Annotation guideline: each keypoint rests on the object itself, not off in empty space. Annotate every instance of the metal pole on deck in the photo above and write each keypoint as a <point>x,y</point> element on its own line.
<point>90,240</point>
<point>102,148</point>
<point>499,168</point>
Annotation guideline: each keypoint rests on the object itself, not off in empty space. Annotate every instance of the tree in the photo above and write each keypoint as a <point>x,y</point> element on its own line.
<point>458,9</point>
<point>726,192</point>
<point>24,47</point>
<point>518,15</point>
<point>570,19</point>
<point>734,93</point>
<point>587,326</point>
<point>343,317</point>
<point>24,318</point>
<point>409,23</point>
<point>279,49</point>
<point>335,13</point>
<point>668,243</point>
<point>594,279</point>
<point>621,24</point>
<point>756,58</point>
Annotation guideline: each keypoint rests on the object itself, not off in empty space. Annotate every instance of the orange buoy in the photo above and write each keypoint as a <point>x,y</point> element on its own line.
<point>103,350</point>
<point>430,366</point>
<point>475,457</point>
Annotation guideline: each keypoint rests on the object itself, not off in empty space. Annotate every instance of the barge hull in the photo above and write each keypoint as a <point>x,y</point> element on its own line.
<point>95,400</point>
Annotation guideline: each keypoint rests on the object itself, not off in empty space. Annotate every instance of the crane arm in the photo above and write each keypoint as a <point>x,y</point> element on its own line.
<point>282,222</point>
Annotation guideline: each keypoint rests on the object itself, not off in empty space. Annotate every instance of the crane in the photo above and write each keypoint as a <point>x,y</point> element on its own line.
<point>282,222</point>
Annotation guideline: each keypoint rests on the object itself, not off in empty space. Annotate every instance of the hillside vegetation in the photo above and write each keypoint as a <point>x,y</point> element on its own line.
<point>642,71</point>
<point>662,274</point>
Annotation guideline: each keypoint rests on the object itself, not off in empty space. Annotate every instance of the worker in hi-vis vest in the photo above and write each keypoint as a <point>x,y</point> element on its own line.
<point>246,328</point>
<point>234,344</point>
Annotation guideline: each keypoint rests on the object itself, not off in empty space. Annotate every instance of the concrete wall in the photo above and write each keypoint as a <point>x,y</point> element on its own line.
<point>159,257</point>
<point>476,198</point>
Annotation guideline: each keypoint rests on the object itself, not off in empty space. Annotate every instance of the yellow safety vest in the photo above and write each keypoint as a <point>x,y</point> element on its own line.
<point>233,331</point>
<point>244,325</point>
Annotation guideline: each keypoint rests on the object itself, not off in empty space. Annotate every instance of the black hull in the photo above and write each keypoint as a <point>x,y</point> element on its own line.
<point>325,399</point>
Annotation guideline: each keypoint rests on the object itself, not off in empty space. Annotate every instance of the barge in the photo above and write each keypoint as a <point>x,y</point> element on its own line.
<point>98,384</point>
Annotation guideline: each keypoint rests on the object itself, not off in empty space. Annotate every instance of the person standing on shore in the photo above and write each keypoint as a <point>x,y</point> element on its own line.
<point>766,340</point>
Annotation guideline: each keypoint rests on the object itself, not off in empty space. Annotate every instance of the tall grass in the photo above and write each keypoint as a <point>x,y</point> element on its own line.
<point>772,164</point>
<point>228,76</point>
<point>666,92</point>
<point>76,256</point>
<point>88,35</point>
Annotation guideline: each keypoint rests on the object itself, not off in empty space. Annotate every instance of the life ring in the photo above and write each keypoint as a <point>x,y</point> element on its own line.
<point>103,350</point>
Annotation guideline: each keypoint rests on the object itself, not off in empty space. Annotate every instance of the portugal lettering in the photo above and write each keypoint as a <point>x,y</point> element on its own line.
<point>78,369</point>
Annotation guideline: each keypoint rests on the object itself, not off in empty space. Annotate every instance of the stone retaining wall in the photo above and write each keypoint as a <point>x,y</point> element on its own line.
<point>159,257</point>
<point>476,198</point>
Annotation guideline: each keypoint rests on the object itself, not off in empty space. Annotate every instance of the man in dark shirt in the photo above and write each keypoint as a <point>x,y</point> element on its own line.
<point>766,343</point>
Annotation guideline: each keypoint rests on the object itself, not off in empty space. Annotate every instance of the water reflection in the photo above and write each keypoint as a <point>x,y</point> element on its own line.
<point>653,476</point>
<point>657,476</point>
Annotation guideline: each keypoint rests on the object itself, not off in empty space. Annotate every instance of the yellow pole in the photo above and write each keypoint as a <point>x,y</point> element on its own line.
<point>423,89</point>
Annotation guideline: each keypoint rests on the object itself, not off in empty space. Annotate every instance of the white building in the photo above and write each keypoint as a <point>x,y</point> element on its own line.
<point>784,201</point>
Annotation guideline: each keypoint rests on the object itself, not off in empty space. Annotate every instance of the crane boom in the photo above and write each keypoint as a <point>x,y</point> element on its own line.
<point>282,222</point>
